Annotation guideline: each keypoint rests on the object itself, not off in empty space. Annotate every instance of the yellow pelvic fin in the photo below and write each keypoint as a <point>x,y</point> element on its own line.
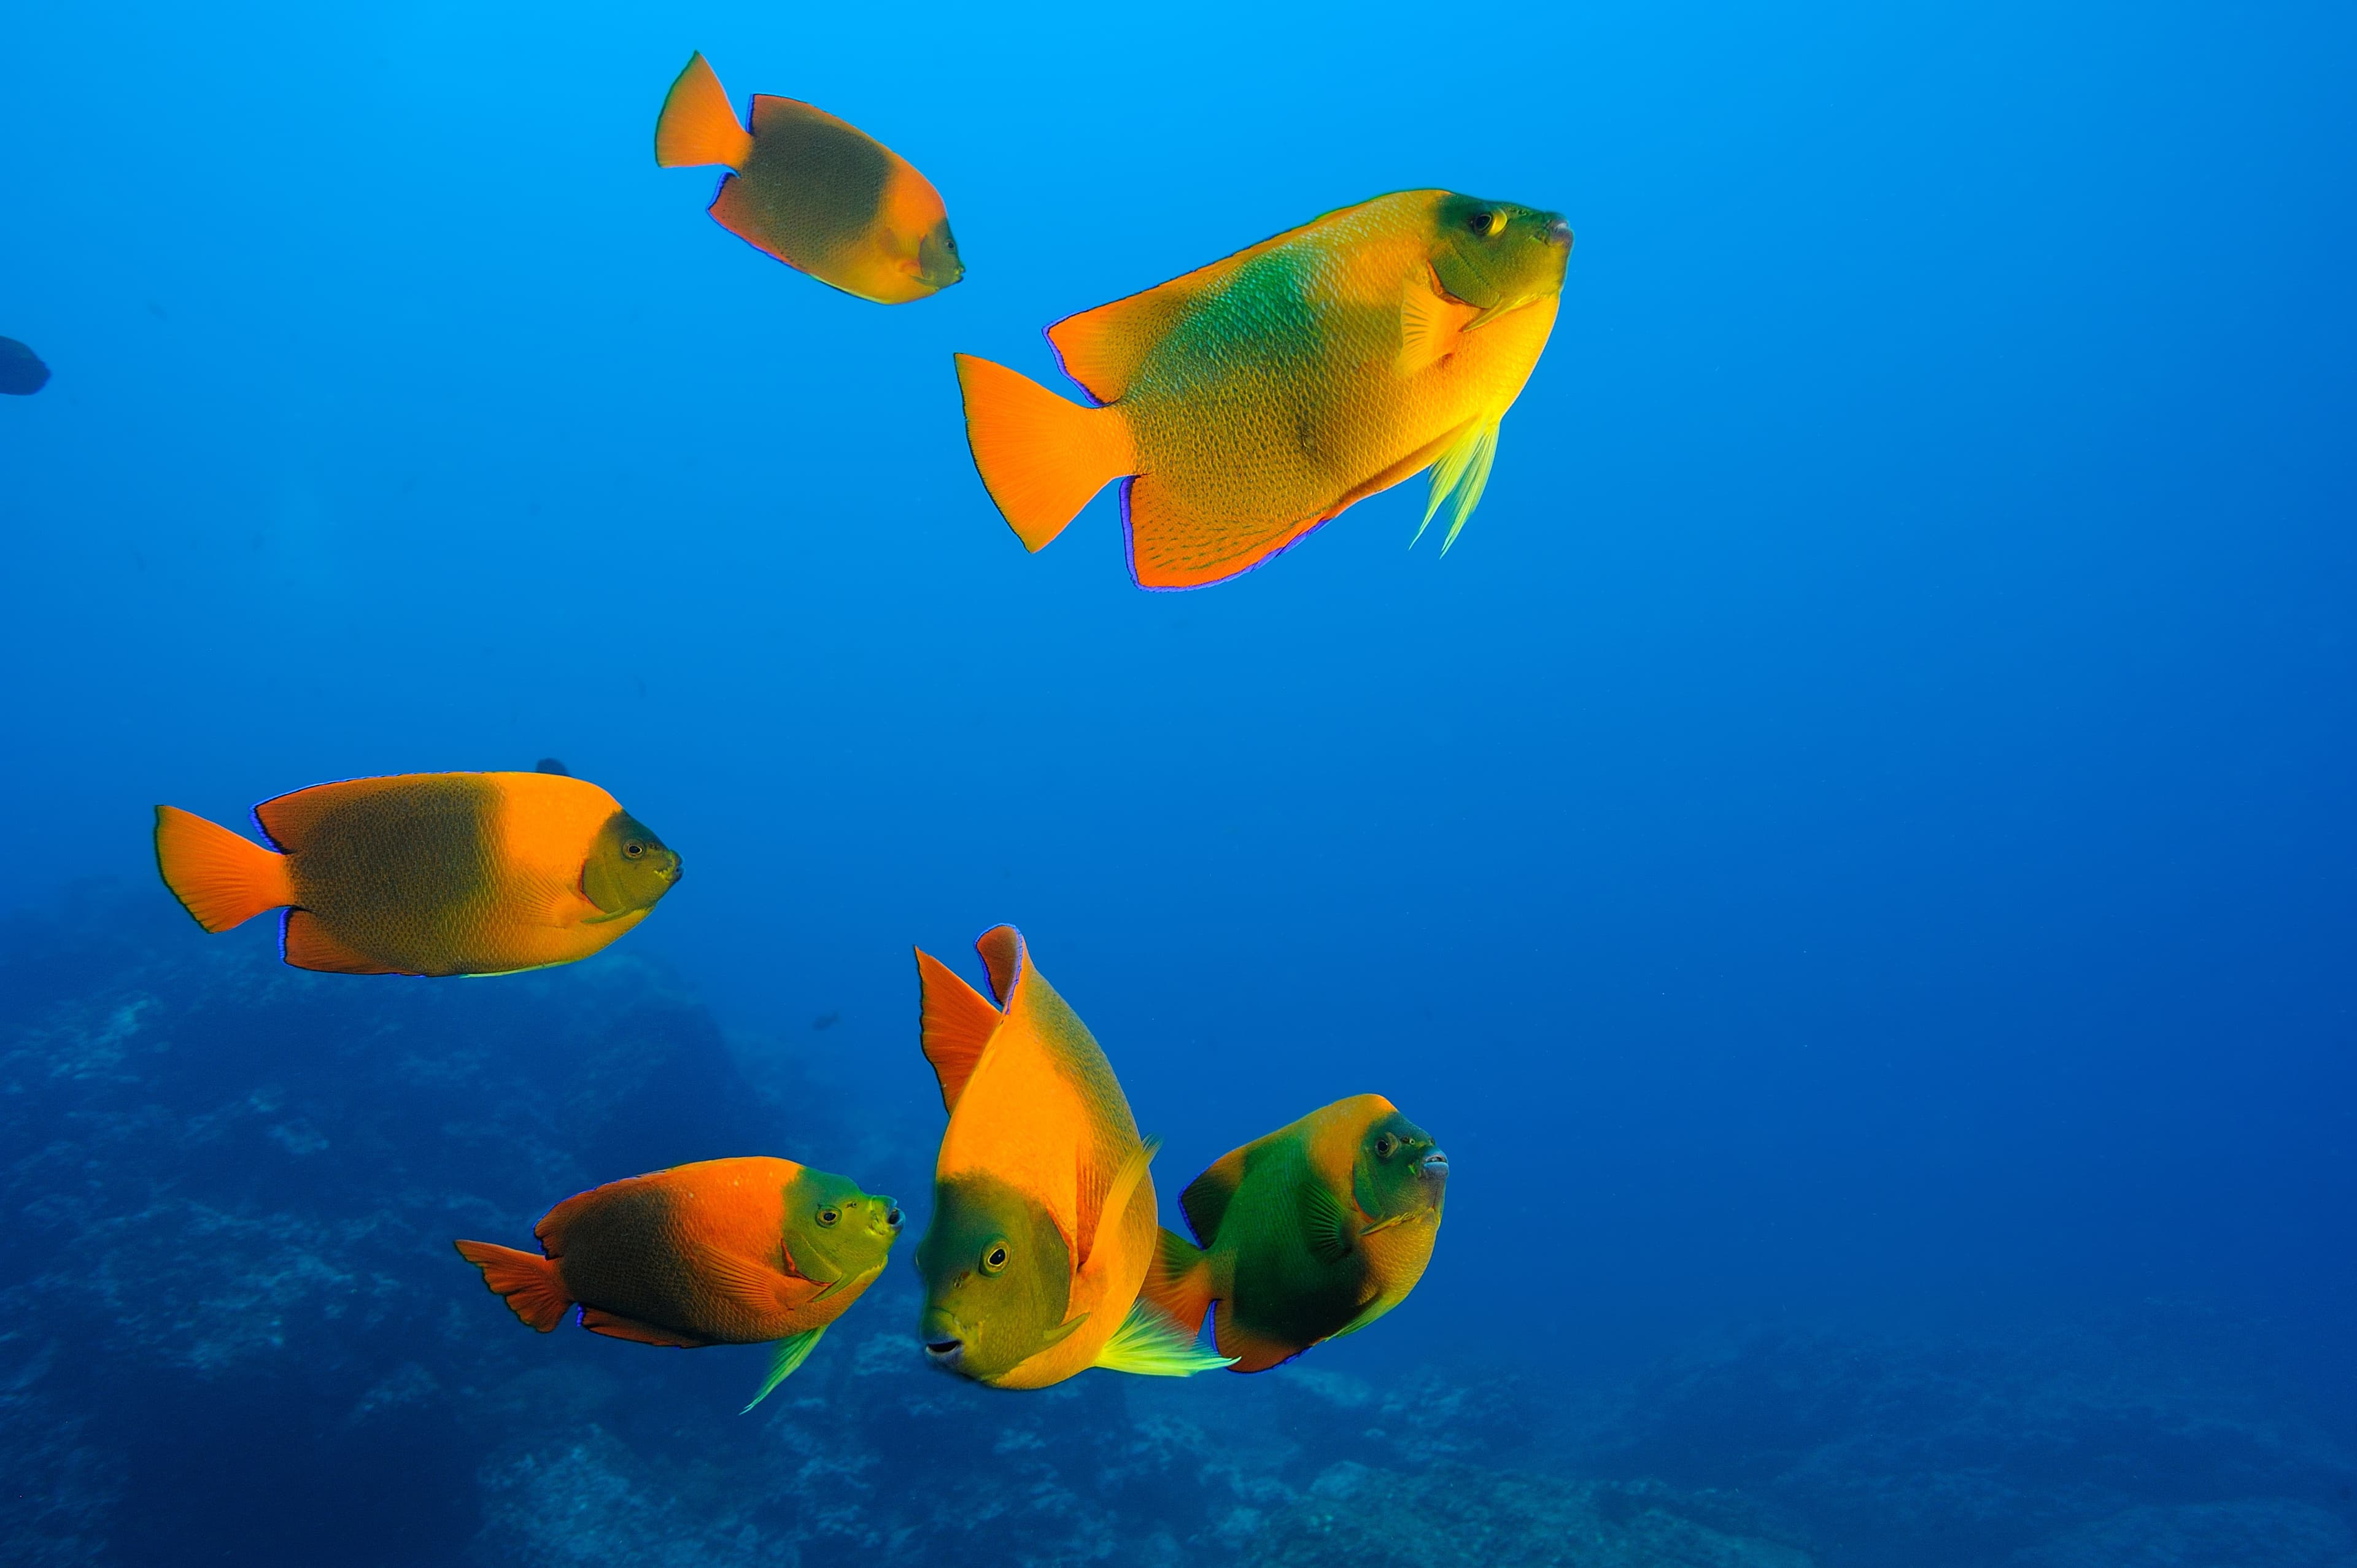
<point>1461,472</point>
<point>1151,1345</point>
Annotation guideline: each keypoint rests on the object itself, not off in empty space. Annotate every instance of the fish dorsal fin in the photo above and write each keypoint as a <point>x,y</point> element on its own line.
<point>955,1023</point>
<point>1126,1182</point>
<point>1003,955</point>
<point>1205,1201</point>
<point>1101,348</point>
<point>1462,471</point>
<point>1322,1222</point>
<point>288,819</point>
<point>1430,326</point>
<point>1151,1345</point>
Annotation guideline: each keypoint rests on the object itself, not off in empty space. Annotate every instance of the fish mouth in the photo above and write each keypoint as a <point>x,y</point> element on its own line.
<point>947,1353</point>
<point>1434,1166</point>
<point>886,1223</point>
<point>1558,232</point>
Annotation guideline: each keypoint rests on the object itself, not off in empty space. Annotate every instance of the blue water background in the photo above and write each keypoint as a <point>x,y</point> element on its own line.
<point>1858,831</point>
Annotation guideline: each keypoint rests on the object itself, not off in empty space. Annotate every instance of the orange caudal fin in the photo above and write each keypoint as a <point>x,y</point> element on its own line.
<point>1178,1280</point>
<point>1041,456</point>
<point>697,125</point>
<point>532,1288</point>
<point>219,877</point>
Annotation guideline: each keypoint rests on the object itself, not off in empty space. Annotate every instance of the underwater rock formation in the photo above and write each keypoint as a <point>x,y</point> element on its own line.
<point>232,1329</point>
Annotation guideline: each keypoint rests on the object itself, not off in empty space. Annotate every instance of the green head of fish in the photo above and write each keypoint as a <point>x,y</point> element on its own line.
<point>1399,1172</point>
<point>938,261</point>
<point>628,868</point>
<point>1497,255</point>
<point>835,1233</point>
<point>998,1278</point>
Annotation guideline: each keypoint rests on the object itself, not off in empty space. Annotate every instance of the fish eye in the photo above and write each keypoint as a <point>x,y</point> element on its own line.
<point>993,1257</point>
<point>1482,223</point>
<point>1385,1146</point>
<point>632,849</point>
<point>829,1215</point>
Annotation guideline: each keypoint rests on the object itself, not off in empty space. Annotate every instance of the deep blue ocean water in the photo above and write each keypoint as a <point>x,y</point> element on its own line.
<point>1850,851</point>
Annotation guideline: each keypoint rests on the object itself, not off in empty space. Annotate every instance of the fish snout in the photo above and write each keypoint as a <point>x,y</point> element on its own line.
<point>884,1219</point>
<point>944,1342</point>
<point>1434,1166</point>
<point>1559,232</point>
<point>674,868</point>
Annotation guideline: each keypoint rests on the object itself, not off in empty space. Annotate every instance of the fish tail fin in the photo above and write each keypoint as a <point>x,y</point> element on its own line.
<point>1462,471</point>
<point>792,1351</point>
<point>1041,456</point>
<point>1178,1280</point>
<point>1151,1345</point>
<point>221,877</point>
<point>697,125</point>
<point>531,1287</point>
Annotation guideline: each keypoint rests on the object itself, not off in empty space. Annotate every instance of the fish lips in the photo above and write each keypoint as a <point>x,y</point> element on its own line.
<point>1434,1166</point>
<point>944,1342</point>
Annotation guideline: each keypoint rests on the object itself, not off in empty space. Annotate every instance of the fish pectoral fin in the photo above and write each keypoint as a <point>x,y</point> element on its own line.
<point>756,1286</point>
<point>792,1351</point>
<point>1126,1183</point>
<point>1062,1331</point>
<point>1366,1314</point>
<point>1322,1223</point>
<point>1151,1345</point>
<point>1462,472</point>
<point>1430,326</point>
<point>1366,1231</point>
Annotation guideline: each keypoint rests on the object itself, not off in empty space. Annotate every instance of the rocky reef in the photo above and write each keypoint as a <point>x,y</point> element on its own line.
<point>232,1329</point>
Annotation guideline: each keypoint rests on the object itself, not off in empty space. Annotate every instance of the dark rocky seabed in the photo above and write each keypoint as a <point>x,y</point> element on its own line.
<point>233,1330</point>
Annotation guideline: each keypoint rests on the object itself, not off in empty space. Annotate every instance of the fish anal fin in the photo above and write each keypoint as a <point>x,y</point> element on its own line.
<point>1323,1225</point>
<point>697,125</point>
<point>1248,1351</point>
<point>1173,545</point>
<point>1205,1201</point>
<point>615,1327</point>
<point>1149,1345</point>
<point>792,1351</point>
<point>1431,325</point>
<point>305,941</point>
<point>221,878</point>
<point>1042,457</point>
<point>956,1023</point>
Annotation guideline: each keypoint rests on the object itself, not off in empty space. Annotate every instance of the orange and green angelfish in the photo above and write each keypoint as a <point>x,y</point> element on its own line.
<point>738,1252</point>
<point>824,196</point>
<point>1043,1212</point>
<point>1313,1232</point>
<point>426,873</point>
<point>1251,399</point>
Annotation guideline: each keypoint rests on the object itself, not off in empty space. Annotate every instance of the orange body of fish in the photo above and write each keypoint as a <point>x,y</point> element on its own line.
<point>717,1252</point>
<point>1251,399</point>
<point>435,874</point>
<point>1037,1116</point>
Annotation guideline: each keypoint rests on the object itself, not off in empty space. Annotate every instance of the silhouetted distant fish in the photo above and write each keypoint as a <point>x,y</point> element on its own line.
<point>550,764</point>
<point>21,371</point>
